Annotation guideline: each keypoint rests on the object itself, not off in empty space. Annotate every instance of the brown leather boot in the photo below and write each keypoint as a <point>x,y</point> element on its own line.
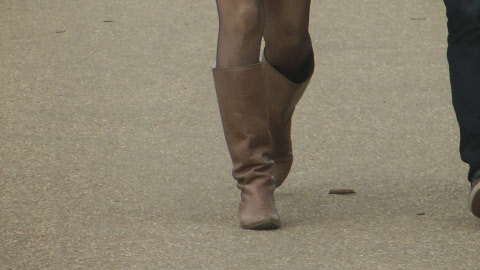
<point>283,95</point>
<point>242,101</point>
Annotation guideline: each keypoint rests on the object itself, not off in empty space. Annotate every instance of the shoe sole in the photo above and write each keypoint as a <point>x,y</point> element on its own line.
<point>263,226</point>
<point>266,224</point>
<point>474,201</point>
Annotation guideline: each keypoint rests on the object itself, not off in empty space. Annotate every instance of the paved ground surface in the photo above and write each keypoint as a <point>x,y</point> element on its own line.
<point>112,154</point>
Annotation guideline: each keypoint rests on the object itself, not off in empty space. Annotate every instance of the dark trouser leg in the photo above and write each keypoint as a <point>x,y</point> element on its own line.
<point>464,61</point>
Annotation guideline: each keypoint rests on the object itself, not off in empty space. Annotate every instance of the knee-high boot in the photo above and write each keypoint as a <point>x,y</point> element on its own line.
<point>283,95</point>
<point>242,101</point>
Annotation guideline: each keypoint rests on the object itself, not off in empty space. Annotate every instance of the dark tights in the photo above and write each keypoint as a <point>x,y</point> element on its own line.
<point>282,23</point>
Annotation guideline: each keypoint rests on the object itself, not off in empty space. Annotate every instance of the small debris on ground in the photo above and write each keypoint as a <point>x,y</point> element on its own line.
<point>107,21</point>
<point>342,191</point>
<point>61,31</point>
<point>421,214</point>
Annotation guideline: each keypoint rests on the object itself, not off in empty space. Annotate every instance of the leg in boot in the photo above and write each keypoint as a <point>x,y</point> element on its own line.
<point>241,93</point>
<point>283,95</point>
<point>289,63</point>
<point>243,109</point>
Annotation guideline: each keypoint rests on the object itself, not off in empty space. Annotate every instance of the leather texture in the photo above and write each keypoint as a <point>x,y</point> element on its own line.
<point>283,95</point>
<point>242,101</point>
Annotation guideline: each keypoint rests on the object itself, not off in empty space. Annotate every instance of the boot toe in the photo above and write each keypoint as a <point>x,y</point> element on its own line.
<point>260,222</point>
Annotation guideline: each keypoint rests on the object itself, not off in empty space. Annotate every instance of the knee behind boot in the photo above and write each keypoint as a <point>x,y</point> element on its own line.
<point>283,95</point>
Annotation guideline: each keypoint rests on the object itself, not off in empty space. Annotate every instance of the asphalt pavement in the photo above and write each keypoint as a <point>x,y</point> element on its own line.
<point>112,153</point>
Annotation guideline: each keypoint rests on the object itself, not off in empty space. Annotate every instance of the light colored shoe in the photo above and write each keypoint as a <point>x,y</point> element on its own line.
<point>474,198</point>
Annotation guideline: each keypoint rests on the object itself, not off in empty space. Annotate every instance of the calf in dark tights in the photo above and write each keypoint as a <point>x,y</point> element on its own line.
<point>257,99</point>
